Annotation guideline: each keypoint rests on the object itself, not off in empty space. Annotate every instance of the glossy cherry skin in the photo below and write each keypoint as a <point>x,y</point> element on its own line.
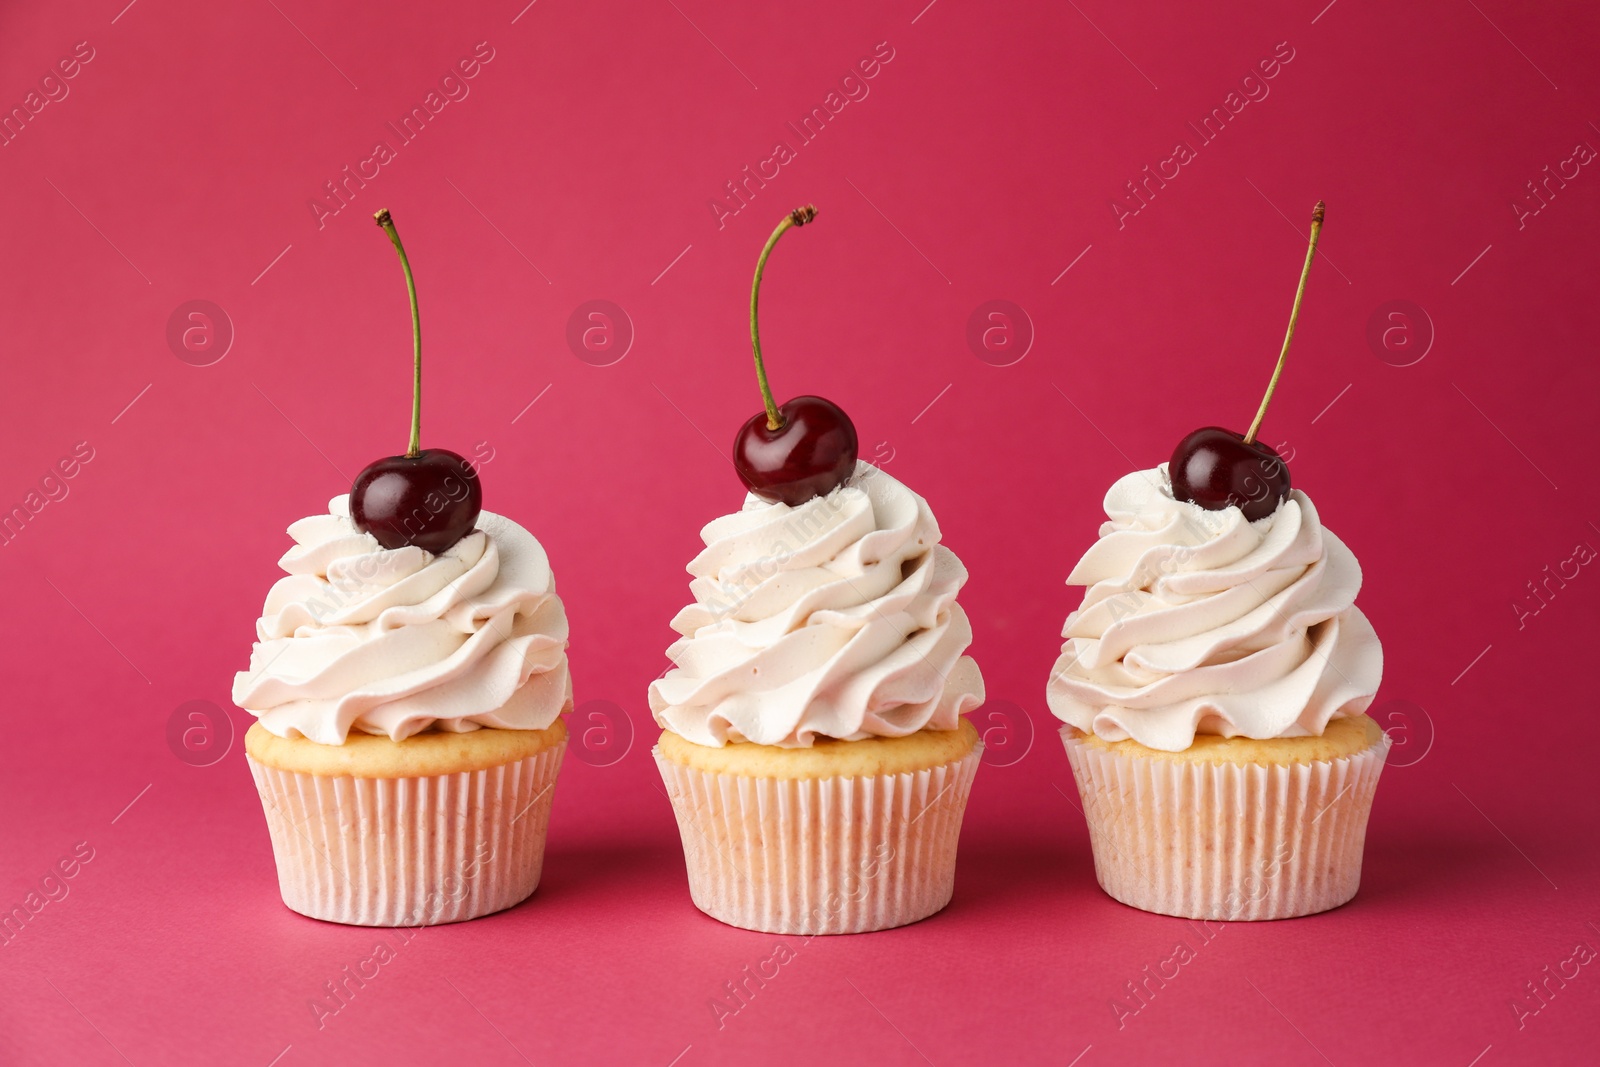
<point>1215,469</point>
<point>812,454</point>
<point>430,500</point>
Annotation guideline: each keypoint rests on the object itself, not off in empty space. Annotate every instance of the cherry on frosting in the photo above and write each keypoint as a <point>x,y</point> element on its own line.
<point>1218,468</point>
<point>429,498</point>
<point>805,448</point>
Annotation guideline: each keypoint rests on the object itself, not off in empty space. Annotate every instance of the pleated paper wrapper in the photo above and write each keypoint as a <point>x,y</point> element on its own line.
<point>821,855</point>
<point>409,851</point>
<point>1222,840</point>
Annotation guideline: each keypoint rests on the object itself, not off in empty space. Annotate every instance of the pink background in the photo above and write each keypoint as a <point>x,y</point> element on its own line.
<point>982,164</point>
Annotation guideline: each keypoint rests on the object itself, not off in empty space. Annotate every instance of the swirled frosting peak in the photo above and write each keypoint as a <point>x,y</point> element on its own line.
<point>1199,621</point>
<point>837,617</point>
<point>359,637</point>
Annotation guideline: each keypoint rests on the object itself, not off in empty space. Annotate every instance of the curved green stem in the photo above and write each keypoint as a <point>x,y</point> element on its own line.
<point>415,446</point>
<point>798,217</point>
<point>1294,314</point>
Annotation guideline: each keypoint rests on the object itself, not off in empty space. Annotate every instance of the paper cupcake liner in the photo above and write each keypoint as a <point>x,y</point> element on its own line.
<point>821,855</point>
<point>1226,841</point>
<point>409,851</point>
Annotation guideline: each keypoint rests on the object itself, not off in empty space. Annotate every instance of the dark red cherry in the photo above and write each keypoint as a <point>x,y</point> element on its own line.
<point>430,500</point>
<point>804,449</point>
<point>1216,469</point>
<point>810,455</point>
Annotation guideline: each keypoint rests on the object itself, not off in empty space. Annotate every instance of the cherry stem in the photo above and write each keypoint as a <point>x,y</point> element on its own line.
<point>415,446</point>
<point>1294,314</point>
<point>798,217</point>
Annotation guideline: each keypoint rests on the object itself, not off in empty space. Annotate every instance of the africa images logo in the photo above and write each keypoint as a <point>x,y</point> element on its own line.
<point>338,193</point>
<point>853,88</point>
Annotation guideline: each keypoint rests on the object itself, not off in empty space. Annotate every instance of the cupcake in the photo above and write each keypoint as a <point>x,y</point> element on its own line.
<point>813,743</point>
<point>407,733</point>
<point>1213,683</point>
<point>408,679</point>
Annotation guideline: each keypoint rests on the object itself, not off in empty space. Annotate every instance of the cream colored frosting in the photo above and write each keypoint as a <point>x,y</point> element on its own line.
<point>1199,621</point>
<point>359,637</point>
<point>837,618</point>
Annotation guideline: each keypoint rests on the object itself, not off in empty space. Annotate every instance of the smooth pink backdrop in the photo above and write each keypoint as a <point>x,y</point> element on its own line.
<point>982,164</point>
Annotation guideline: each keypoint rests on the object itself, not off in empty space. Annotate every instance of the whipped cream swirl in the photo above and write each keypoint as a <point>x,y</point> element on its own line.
<point>1199,621</point>
<point>837,617</point>
<point>359,637</point>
